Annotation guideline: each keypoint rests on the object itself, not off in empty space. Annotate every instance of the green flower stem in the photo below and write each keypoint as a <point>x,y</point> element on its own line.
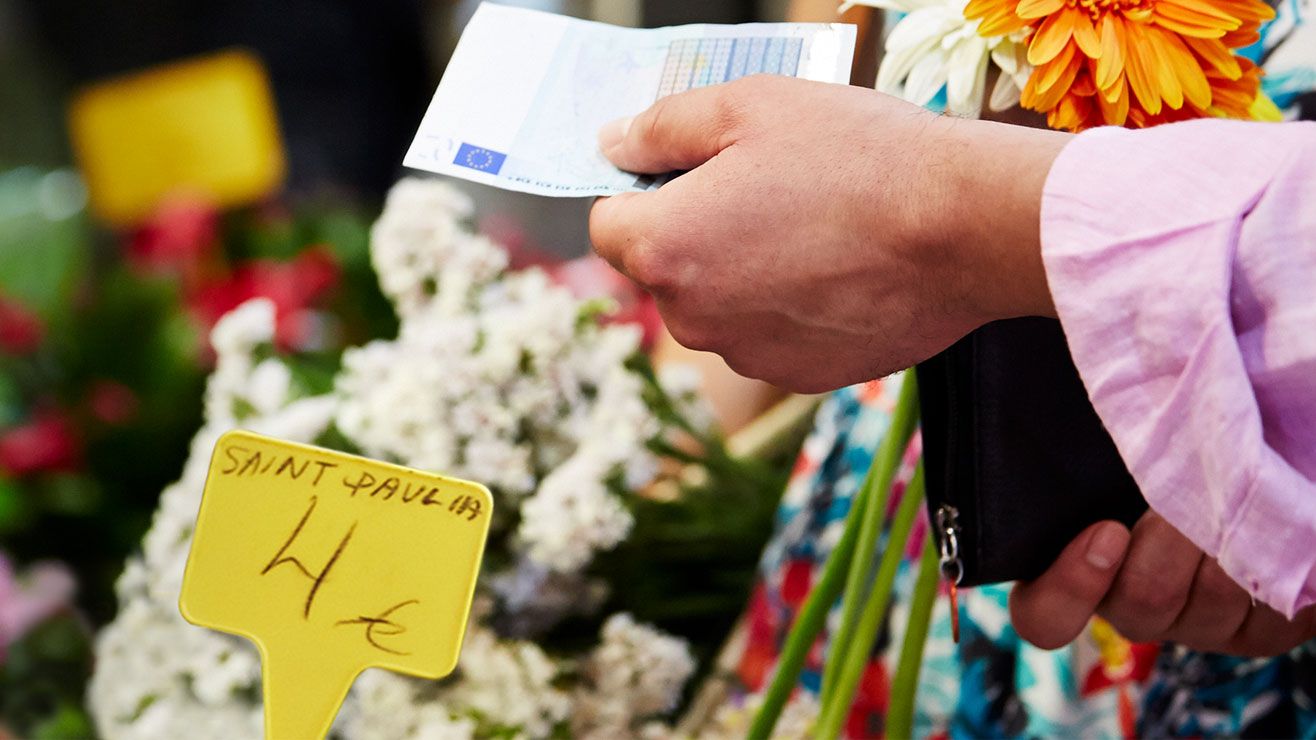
<point>858,650</point>
<point>900,714</point>
<point>876,490</point>
<point>808,623</point>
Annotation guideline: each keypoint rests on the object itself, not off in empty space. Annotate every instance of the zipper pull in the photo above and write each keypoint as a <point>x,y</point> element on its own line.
<point>952,568</point>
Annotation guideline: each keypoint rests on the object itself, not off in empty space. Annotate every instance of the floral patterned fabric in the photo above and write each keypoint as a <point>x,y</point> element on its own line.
<point>992,684</point>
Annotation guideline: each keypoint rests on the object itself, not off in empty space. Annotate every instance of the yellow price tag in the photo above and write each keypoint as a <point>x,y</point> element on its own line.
<point>331,564</point>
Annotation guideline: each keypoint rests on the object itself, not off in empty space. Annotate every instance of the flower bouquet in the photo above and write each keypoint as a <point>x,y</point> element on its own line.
<point>504,377</point>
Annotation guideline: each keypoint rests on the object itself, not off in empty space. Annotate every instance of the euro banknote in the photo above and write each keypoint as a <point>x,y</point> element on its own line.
<point>522,100</point>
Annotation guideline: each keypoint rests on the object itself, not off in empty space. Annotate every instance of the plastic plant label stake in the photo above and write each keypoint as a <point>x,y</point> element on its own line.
<point>332,564</point>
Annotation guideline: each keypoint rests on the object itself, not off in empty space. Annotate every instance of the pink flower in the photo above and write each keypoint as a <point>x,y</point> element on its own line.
<point>45,589</point>
<point>48,442</point>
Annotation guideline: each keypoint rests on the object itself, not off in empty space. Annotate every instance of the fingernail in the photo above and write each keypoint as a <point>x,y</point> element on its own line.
<point>1107,546</point>
<point>612,133</point>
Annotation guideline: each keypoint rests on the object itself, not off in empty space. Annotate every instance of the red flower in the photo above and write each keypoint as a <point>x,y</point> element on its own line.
<point>112,402</point>
<point>177,239</point>
<point>293,287</point>
<point>47,443</point>
<point>21,330</point>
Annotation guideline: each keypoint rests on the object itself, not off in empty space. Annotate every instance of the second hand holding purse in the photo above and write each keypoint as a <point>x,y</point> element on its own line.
<point>1017,460</point>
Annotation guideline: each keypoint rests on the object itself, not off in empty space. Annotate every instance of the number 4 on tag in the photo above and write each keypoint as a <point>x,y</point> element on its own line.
<point>332,564</point>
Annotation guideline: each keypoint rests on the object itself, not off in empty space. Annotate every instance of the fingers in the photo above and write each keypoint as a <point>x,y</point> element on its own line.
<point>1164,589</point>
<point>679,132</point>
<point>1154,581</point>
<point>1216,609</point>
<point>1266,632</point>
<point>619,227</point>
<point>1051,611</point>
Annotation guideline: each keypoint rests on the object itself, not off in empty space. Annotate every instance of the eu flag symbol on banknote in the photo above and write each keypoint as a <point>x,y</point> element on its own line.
<point>479,158</point>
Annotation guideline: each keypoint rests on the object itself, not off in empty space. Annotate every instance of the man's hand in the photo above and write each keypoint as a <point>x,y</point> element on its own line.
<point>825,234</point>
<point>1151,585</point>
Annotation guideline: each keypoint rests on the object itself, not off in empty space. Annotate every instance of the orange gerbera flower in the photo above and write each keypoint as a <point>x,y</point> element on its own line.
<point>1132,62</point>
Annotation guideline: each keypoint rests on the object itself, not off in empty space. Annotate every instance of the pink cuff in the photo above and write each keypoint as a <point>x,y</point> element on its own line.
<point>1140,233</point>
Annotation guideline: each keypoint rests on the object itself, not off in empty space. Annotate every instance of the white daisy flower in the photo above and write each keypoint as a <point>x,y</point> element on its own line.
<point>933,47</point>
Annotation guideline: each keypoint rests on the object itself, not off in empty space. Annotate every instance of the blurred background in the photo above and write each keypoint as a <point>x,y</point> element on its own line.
<point>290,119</point>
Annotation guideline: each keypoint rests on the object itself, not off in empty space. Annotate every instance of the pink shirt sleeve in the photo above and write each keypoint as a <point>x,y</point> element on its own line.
<point>1182,261</point>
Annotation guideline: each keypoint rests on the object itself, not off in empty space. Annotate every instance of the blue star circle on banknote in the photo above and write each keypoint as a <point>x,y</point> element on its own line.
<point>478,158</point>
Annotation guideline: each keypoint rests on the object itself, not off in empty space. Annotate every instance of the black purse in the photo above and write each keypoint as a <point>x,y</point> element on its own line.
<point>1017,462</point>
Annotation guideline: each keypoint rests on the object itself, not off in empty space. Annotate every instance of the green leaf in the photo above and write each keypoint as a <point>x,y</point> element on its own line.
<point>42,252</point>
<point>68,722</point>
<point>15,510</point>
<point>71,495</point>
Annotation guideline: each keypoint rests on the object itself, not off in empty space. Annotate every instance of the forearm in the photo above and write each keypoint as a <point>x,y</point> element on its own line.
<point>990,177</point>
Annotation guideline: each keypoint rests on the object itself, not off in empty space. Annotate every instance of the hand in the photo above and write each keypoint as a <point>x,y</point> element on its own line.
<point>1153,585</point>
<point>825,234</point>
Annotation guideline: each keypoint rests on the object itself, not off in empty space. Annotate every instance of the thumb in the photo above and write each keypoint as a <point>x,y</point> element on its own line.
<point>1052,610</point>
<point>679,132</point>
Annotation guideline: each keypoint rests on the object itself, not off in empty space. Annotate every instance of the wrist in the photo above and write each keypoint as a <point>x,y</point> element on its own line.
<point>991,208</point>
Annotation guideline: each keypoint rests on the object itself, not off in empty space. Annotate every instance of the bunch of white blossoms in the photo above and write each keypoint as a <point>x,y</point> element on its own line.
<point>634,675</point>
<point>495,376</point>
<point>156,675</point>
<point>498,377</point>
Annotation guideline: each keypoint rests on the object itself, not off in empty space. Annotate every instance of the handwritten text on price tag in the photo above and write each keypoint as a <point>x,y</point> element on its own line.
<point>332,564</point>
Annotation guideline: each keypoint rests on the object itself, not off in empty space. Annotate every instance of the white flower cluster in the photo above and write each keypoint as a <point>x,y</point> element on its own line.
<point>420,239</point>
<point>572,516</point>
<point>504,683</point>
<point>636,673</point>
<point>157,676</point>
<point>495,376</point>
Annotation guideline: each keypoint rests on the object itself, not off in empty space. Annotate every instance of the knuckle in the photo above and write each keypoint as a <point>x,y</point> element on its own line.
<point>1215,583</point>
<point>1143,607</point>
<point>732,109</point>
<point>741,364</point>
<point>646,130</point>
<point>647,264</point>
<point>694,335</point>
<point>752,86</point>
<point>1150,598</point>
<point>600,231</point>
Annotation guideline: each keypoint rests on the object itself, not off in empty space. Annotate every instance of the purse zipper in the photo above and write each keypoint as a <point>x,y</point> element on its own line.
<point>952,568</point>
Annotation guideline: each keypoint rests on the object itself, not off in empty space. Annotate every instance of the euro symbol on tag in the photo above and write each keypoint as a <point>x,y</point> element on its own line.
<point>331,564</point>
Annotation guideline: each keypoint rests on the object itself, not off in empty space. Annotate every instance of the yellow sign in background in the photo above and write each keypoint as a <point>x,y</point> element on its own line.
<point>332,564</point>
<point>204,127</point>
